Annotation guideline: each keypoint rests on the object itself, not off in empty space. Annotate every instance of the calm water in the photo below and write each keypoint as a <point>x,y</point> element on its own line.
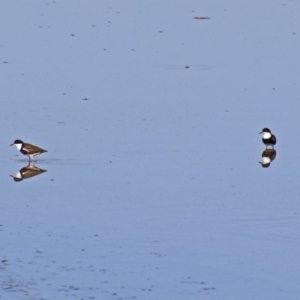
<point>151,187</point>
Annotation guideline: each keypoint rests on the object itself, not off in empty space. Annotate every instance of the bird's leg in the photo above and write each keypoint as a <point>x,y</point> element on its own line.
<point>31,158</point>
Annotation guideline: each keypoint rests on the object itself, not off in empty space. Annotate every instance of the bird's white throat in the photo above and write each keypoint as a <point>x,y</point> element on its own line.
<point>19,146</point>
<point>266,160</point>
<point>18,175</point>
<point>267,135</point>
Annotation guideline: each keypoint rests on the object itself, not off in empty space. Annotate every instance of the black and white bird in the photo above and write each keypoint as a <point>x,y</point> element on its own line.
<point>27,149</point>
<point>268,156</point>
<point>268,138</point>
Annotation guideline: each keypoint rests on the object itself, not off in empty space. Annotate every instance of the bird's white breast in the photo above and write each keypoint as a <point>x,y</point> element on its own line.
<point>267,135</point>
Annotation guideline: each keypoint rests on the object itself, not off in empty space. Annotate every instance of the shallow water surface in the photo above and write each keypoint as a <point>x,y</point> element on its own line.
<point>151,187</point>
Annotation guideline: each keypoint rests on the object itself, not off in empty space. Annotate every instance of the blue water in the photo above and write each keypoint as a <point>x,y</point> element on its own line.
<point>151,119</point>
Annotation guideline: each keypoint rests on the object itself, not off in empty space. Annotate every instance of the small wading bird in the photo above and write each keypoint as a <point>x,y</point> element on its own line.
<point>28,149</point>
<point>268,139</point>
<point>28,172</point>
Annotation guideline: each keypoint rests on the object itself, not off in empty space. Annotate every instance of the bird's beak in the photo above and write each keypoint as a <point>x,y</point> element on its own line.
<point>11,144</point>
<point>260,162</point>
<point>260,132</point>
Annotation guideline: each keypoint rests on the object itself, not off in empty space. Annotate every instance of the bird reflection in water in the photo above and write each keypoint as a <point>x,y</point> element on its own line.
<point>268,156</point>
<point>28,172</point>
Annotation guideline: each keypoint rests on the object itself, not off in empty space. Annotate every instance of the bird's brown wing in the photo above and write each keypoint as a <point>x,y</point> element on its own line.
<point>31,148</point>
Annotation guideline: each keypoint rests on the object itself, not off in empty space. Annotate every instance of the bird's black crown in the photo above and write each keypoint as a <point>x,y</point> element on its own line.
<point>18,142</point>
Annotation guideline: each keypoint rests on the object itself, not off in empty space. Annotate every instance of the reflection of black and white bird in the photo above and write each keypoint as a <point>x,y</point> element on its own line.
<point>267,157</point>
<point>27,172</point>
<point>268,139</point>
<point>28,149</point>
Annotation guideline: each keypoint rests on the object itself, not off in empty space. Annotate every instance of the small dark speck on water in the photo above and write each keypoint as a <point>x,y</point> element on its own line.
<point>201,18</point>
<point>85,99</point>
<point>161,31</point>
<point>72,34</point>
<point>5,62</point>
<point>187,67</point>
<point>52,179</point>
